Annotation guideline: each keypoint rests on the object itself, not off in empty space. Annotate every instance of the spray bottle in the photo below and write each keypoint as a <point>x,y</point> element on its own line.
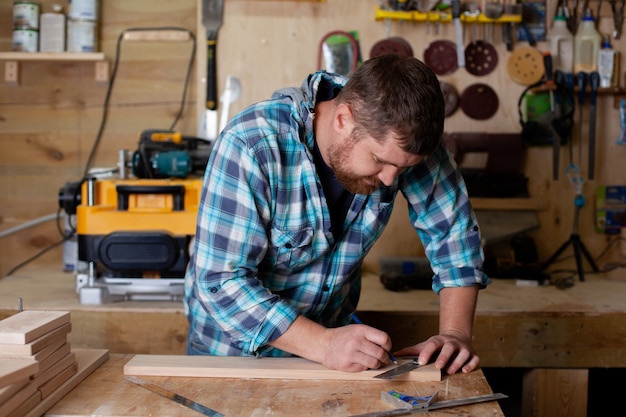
<point>607,58</point>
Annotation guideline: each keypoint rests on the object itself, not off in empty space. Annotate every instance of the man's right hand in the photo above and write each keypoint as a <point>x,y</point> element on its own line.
<point>352,348</point>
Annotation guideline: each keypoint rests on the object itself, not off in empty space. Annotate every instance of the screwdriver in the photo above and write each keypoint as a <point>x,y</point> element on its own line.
<point>581,79</point>
<point>556,142</point>
<point>594,84</point>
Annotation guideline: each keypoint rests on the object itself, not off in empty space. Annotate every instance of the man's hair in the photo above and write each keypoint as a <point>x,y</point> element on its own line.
<point>399,95</point>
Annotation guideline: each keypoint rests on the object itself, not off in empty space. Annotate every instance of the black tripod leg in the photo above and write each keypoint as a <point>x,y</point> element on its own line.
<point>579,261</point>
<point>589,258</point>
<point>556,254</point>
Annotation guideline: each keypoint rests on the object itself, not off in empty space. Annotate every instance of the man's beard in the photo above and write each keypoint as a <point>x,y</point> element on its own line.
<point>339,158</point>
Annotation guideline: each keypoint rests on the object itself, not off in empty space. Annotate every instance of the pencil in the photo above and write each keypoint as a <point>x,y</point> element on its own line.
<point>358,321</point>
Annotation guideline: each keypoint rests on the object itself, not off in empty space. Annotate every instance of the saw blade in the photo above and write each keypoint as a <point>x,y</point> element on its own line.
<point>175,397</point>
<point>399,370</point>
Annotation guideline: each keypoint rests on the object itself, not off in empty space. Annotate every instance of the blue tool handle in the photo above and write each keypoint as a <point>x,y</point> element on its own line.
<point>594,84</point>
<point>581,79</point>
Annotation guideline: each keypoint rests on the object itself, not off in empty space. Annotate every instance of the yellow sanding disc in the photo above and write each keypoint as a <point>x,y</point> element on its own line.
<point>525,65</point>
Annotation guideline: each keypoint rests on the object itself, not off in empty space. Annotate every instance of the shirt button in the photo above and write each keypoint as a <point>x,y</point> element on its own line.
<point>213,290</point>
<point>288,245</point>
<point>325,288</point>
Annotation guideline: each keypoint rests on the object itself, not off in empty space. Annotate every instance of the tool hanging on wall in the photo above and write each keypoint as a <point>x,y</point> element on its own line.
<point>594,83</point>
<point>339,52</point>
<point>212,11</point>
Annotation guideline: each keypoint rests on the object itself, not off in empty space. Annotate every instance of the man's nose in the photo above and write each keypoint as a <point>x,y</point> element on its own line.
<point>388,175</point>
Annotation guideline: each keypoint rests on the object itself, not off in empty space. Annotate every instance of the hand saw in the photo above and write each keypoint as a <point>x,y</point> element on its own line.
<point>212,11</point>
<point>175,397</point>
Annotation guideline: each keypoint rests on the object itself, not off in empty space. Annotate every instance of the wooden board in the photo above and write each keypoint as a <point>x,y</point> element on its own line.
<point>106,393</point>
<point>88,360</point>
<point>28,325</point>
<point>32,348</point>
<point>16,370</point>
<point>264,368</point>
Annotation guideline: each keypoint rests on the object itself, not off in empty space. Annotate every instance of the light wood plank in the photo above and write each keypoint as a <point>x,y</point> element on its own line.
<point>16,370</point>
<point>17,400</point>
<point>264,368</point>
<point>26,326</point>
<point>55,357</point>
<point>45,376</point>
<point>37,345</point>
<point>88,360</point>
<point>42,354</point>
<point>10,390</point>
<point>51,386</point>
<point>28,405</point>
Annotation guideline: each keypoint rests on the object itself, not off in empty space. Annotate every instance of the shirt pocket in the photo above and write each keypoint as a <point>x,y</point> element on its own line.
<point>291,249</point>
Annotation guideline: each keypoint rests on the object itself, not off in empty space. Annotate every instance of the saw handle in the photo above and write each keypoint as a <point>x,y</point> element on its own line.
<point>211,72</point>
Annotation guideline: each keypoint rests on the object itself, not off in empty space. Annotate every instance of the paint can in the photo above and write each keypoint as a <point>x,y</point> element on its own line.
<point>82,35</point>
<point>83,9</point>
<point>25,40</point>
<point>25,15</point>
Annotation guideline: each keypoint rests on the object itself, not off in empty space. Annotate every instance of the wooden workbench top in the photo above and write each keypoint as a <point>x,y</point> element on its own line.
<point>515,326</point>
<point>46,287</point>
<point>106,393</point>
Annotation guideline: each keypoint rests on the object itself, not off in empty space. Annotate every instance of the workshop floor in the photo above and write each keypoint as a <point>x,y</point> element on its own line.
<point>604,393</point>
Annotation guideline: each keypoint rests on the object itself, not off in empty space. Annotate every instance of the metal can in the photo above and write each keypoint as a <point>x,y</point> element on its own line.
<point>83,9</point>
<point>25,15</point>
<point>82,35</point>
<point>25,40</point>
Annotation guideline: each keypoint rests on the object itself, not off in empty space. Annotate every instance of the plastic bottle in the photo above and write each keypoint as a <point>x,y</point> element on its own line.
<point>606,63</point>
<point>586,45</point>
<point>561,43</point>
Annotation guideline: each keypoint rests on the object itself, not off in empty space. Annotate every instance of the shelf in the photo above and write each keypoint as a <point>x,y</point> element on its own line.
<point>442,16</point>
<point>481,203</point>
<point>12,60</point>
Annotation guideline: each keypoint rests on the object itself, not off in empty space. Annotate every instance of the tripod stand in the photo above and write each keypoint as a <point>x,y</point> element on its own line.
<point>574,239</point>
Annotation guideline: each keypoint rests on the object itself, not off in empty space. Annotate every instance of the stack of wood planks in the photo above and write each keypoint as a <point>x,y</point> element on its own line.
<point>35,359</point>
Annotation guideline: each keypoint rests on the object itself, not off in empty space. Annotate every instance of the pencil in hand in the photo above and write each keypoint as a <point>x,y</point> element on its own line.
<point>358,321</point>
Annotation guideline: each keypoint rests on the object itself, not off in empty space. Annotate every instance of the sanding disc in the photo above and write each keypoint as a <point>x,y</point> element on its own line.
<point>479,101</point>
<point>440,56</point>
<point>393,45</point>
<point>480,58</point>
<point>450,96</point>
<point>525,65</point>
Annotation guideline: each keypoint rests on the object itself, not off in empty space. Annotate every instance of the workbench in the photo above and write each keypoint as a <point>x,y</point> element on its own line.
<point>557,333</point>
<point>106,393</point>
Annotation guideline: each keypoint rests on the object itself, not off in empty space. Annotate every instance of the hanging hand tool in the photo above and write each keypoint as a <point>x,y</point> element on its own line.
<point>212,11</point>
<point>594,83</point>
<point>581,79</point>
<point>618,17</point>
<point>434,406</point>
<point>556,141</point>
<point>175,397</point>
<point>458,31</point>
<point>569,85</point>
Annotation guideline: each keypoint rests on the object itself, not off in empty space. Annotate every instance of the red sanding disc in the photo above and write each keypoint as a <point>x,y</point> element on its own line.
<point>479,101</point>
<point>480,58</point>
<point>394,45</point>
<point>440,56</point>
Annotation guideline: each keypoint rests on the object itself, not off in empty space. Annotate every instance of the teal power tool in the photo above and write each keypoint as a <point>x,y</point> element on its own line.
<point>169,154</point>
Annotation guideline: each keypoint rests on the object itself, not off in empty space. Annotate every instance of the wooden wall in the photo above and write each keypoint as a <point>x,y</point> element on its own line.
<point>49,122</point>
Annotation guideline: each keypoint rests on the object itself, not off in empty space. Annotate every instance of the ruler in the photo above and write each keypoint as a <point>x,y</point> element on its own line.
<point>435,406</point>
<point>175,397</point>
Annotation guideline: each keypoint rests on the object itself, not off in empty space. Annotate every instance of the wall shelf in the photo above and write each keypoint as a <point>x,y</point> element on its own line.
<point>12,60</point>
<point>443,16</point>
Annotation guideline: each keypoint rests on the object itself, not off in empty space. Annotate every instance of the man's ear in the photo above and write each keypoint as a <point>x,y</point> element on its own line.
<point>344,120</point>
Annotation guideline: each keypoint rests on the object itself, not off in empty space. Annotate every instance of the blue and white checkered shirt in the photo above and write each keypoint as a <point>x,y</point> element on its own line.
<point>264,250</point>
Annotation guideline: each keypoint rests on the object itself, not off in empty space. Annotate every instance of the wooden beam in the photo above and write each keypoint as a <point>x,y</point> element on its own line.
<point>29,325</point>
<point>264,368</point>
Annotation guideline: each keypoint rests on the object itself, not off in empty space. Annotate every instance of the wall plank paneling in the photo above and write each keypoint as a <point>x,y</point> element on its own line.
<point>49,122</point>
